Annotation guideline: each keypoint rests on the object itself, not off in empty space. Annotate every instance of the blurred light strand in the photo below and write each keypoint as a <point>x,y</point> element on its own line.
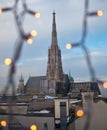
<point>81,43</point>
<point>23,37</point>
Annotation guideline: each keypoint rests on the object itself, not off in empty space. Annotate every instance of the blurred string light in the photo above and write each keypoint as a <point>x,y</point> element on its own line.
<point>80,113</point>
<point>27,37</point>
<point>19,18</point>
<point>3,123</point>
<point>37,15</point>
<point>29,41</point>
<point>33,33</point>
<point>4,10</point>
<point>0,11</point>
<point>8,61</point>
<point>22,37</point>
<point>70,46</point>
<point>33,127</point>
<point>99,12</point>
<point>95,13</point>
<point>81,43</point>
<point>105,84</point>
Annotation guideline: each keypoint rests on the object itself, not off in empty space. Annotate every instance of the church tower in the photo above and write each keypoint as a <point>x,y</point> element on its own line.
<point>20,88</point>
<point>54,66</point>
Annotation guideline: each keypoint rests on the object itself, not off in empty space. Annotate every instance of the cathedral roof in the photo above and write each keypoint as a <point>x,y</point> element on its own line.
<point>34,82</point>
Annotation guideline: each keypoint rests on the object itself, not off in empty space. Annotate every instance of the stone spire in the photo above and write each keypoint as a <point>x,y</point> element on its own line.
<point>20,88</point>
<point>54,66</point>
<point>21,79</point>
<point>54,33</point>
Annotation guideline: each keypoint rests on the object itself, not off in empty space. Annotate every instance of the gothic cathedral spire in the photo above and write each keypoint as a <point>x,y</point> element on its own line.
<point>20,88</point>
<point>54,66</point>
<point>54,33</point>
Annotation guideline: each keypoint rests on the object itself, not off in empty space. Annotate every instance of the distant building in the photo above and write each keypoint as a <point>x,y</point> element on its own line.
<point>55,82</point>
<point>33,85</point>
<point>84,86</point>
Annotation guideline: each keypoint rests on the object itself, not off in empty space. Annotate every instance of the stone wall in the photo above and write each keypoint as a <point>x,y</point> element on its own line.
<point>41,104</point>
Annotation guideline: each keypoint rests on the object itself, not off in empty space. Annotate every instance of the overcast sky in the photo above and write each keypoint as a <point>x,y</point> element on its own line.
<point>69,20</point>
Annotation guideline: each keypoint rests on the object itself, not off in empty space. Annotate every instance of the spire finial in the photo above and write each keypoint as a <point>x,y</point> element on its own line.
<point>54,12</point>
<point>54,32</point>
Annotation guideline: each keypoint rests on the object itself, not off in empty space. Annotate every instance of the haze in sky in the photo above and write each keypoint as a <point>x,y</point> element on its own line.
<point>69,22</point>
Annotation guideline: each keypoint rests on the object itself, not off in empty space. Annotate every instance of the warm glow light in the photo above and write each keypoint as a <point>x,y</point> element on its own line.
<point>1,11</point>
<point>37,15</point>
<point>8,61</point>
<point>99,12</point>
<point>105,84</point>
<point>33,127</point>
<point>29,41</point>
<point>80,113</point>
<point>68,46</point>
<point>33,33</point>
<point>3,123</point>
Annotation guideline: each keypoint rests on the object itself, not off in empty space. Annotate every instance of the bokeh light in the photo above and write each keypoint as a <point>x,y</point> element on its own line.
<point>29,41</point>
<point>1,11</point>
<point>8,61</point>
<point>80,113</point>
<point>99,12</point>
<point>37,15</point>
<point>33,127</point>
<point>68,46</point>
<point>105,84</point>
<point>33,33</point>
<point>3,123</point>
